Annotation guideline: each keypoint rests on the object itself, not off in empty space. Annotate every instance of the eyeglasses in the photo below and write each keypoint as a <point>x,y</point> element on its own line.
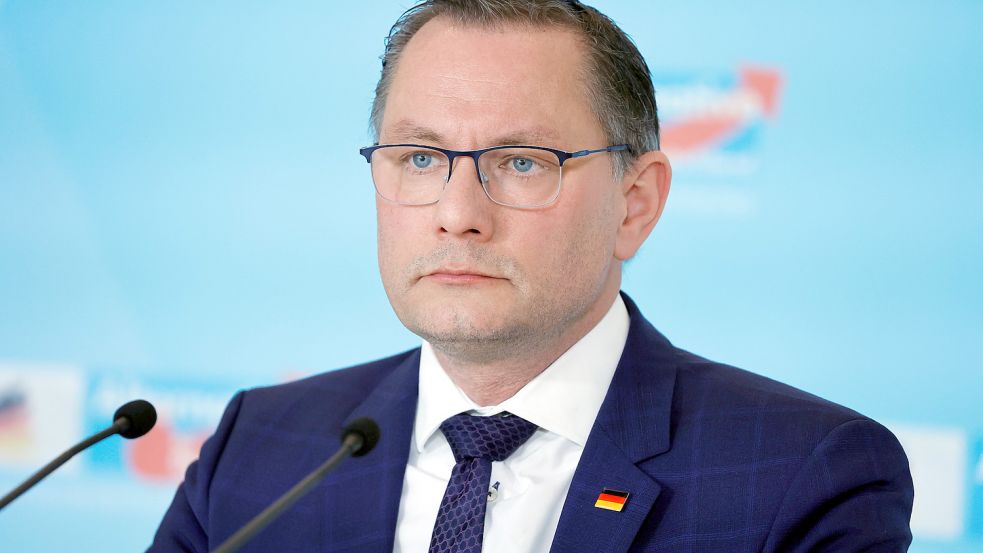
<point>515,176</point>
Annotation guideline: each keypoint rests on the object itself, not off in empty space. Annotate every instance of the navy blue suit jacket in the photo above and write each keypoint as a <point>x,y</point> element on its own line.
<point>715,459</point>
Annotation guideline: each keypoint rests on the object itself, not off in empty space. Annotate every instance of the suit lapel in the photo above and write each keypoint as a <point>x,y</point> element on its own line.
<point>378,477</point>
<point>632,426</point>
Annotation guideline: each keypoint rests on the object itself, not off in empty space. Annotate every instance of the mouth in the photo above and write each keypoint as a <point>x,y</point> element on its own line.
<point>459,275</point>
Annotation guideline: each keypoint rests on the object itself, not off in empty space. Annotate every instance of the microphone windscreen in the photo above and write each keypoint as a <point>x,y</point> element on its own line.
<point>367,429</point>
<point>142,417</point>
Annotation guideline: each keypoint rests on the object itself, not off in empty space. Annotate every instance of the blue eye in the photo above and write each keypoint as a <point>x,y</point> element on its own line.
<point>522,164</point>
<point>422,160</point>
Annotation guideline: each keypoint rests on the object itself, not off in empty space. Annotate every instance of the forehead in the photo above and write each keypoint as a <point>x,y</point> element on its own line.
<point>463,82</point>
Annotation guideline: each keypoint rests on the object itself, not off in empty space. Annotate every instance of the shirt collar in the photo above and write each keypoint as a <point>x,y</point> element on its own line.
<point>563,399</point>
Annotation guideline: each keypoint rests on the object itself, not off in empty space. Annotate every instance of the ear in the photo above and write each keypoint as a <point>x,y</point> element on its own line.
<point>645,187</point>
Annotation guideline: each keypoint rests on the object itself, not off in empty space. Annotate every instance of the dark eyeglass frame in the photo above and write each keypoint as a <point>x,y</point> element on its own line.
<point>561,155</point>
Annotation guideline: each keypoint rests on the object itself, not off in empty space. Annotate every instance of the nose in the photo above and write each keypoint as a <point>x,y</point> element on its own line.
<point>463,209</point>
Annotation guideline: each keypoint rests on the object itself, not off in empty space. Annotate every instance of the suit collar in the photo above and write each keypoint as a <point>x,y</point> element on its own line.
<point>392,404</point>
<point>636,411</point>
<point>632,426</point>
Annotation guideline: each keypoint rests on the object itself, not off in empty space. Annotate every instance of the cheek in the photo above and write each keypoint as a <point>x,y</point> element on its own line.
<point>388,238</point>
<point>569,258</point>
<point>585,249</point>
<point>394,222</point>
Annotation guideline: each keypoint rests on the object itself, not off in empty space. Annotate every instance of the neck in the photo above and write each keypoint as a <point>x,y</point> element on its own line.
<point>492,381</point>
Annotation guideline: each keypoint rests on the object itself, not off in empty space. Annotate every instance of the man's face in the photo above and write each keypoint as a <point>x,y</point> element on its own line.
<point>474,278</point>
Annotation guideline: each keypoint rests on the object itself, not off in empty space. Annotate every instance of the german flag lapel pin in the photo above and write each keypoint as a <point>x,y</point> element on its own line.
<point>612,500</point>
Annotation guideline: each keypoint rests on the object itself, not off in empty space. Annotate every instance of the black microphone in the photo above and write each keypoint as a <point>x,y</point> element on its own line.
<point>358,438</point>
<point>132,420</point>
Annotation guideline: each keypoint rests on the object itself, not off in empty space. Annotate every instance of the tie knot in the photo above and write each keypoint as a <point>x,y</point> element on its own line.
<point>493,438</point>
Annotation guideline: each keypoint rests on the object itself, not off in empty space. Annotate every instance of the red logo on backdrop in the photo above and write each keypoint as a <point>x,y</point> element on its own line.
<point>164,454</point>
<point>721,114</point>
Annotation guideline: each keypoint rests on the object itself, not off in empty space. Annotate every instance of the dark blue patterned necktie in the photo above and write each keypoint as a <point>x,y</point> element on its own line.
<point>476,442</point>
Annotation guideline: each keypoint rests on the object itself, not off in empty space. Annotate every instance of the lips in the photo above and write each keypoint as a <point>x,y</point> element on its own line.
<point>460,272</point>
<point>460,275</point>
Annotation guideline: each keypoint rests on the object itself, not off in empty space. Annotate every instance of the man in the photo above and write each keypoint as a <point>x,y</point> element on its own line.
<point>517,169</point>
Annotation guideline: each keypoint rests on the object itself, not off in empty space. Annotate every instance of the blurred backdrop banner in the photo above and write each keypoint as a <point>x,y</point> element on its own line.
<point>184,213</point>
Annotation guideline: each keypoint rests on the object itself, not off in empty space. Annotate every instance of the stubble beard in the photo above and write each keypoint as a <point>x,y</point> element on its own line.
<point>532,326</point>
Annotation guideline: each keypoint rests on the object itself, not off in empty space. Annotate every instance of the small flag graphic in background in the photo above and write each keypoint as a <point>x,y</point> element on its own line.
<point>612,500</point>
<point>15,428</point>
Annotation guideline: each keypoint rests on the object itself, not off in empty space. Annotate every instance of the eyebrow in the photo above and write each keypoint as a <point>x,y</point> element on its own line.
<point>408,131</point>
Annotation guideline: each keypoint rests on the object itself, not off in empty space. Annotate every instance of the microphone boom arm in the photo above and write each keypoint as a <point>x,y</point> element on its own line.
<point>121,425</point>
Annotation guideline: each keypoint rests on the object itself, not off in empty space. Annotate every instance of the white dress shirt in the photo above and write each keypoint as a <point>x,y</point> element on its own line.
<point>532,483</point>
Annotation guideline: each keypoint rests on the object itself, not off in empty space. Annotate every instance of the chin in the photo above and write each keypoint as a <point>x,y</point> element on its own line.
<point>464,302</point>
<point>461,321</point>
<point>473,343</point>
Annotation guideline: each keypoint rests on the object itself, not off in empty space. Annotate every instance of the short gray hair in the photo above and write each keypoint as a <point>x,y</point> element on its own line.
<point>618,81</point>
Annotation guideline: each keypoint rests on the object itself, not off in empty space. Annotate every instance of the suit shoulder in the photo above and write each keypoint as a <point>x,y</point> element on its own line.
<point>706,388</point>
<point>734,417</point>
<point>746,448</point>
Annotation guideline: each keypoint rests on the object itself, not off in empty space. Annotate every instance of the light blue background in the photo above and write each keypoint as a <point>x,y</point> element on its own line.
<point>181,195</point>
